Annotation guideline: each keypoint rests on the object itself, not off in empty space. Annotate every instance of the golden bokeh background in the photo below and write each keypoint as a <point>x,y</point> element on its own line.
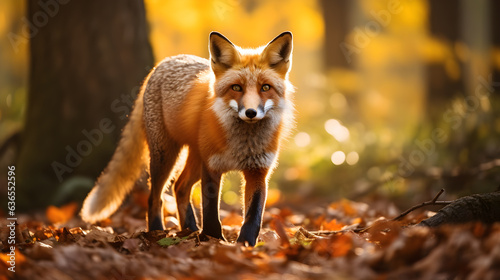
<point>364,118</point>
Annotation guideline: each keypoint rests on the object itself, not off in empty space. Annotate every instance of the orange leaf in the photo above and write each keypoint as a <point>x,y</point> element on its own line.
<point>17,257</point>
<point>336,246</point>
<point>319,221</point>
<point>356,221</point>
<point>105,223</point>
<point>285,212</point>
<point>346,206</point>
<point>332,225</point>
<point>277,225</point>
<point>233,219</point>
<point>273,196</point>
<point>61,215</point>
<point>342,244</point>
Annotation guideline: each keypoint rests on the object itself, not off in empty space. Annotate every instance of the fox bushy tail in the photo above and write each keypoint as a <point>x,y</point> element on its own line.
<point>125,167</point>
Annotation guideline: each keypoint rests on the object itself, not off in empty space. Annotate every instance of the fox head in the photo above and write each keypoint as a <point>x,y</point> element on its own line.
<point>251,82</point>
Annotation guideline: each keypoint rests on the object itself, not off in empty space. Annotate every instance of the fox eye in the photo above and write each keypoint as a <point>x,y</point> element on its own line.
<point>236,88</point>
<point>266,87</point>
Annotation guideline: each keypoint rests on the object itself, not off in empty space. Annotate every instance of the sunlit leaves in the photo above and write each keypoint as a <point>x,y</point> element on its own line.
<point>61,214</point>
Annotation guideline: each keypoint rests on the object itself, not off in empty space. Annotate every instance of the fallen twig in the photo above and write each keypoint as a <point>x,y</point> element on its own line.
<point>427,203</point>
<point>399,217</point>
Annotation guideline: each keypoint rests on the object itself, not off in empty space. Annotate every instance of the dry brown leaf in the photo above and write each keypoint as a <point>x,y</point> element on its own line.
<point>277,225</point>
<point>384,250</point>
<point>43,234</point>
<point>41,251</point>
<point>131,245</point>
<point>67,237</point>
<point>271,239</point>
<point>285,213</point>
<point>337,245</point>
<point>384,232</point>
<point>99,236</point>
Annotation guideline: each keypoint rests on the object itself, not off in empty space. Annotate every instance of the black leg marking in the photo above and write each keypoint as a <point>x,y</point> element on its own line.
<point>190,222</point>
<point>253,220</point>
<point>210,189</point>
<point>155,224</point>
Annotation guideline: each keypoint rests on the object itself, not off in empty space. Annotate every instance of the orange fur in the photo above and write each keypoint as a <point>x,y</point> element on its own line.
<point>231,113</point>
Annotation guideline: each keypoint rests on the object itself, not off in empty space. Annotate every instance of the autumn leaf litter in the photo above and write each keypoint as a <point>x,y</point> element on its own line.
<point>342,240</point>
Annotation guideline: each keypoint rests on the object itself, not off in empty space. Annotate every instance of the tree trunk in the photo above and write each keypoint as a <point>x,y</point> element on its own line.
<point>495,36</point>
<point>88,59</point>
<point>444,22</point>
<point>337,27</point>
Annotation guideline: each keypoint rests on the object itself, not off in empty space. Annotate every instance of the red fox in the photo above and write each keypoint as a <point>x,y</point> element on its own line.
<point>231,113</point>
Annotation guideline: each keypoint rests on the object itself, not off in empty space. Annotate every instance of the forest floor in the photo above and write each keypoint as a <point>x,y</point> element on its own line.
<point>337,240</point>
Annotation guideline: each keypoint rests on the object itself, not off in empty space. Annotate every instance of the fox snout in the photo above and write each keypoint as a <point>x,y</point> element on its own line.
<point>251,114</point>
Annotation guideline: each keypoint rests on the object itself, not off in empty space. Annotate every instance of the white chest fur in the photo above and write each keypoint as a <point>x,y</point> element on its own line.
<point>247,143</point>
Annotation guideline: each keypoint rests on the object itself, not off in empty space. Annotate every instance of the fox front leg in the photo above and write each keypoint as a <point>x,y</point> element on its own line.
<point>210,191</point>
<point>255,200</point>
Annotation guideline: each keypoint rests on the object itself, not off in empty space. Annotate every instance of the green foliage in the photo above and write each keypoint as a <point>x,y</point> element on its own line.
<point>169,241</point>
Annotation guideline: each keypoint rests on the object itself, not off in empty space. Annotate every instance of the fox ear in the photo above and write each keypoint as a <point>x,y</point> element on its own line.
<point>278,53</point>
<point>223,54</point>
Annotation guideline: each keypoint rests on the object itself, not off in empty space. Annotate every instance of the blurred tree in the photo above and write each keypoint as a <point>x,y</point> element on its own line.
<point>88,59</point>
<point>444,80</point>
<point>337,27</point>
<point>495,37</point>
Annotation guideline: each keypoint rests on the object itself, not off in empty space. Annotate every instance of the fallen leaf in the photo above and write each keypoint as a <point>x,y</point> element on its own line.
<point>270,239</point>
<point>67,237</point>
<point>43,234</point>
<point>131,245</point>
<point>333,225</point>
<point>337,245</point>
<point>346,206</point>
<point>233,219</point>
<point>303,237</point>
<point>384,232</point>
<point>169,241</point>
<point>277,225</point>
<point>18,258</point>
<point>59,215</point>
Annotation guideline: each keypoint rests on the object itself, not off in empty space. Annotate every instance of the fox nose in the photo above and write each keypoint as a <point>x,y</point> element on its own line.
<point>251,113</point>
